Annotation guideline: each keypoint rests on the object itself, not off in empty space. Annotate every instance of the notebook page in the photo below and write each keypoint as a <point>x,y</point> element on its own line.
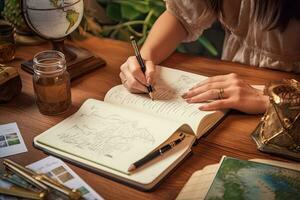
<point>198,184</point>
<point>108,135</point>
<point>144,176</point>
<point>168,102</point>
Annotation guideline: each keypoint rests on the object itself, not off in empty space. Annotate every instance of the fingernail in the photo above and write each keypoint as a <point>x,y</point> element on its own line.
<point>184,95</point>
<point>145,90</point>
<point>149,80</point>
<point>202,107</point>
<point>189,100</point>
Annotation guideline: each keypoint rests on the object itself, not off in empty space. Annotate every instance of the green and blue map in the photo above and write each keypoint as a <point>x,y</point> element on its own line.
<point>240,179</point>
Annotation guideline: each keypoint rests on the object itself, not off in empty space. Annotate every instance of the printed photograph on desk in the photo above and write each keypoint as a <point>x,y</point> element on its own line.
<point>241,179</point>
<point>11,141</point>
<point>58,170</point>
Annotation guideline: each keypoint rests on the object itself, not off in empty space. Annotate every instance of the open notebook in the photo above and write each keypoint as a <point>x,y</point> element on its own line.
<point>201,181</point>
<point>108,136</point>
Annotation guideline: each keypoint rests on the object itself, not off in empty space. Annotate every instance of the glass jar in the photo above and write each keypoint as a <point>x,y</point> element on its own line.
<point>51,82</point>
<point>7,42</point>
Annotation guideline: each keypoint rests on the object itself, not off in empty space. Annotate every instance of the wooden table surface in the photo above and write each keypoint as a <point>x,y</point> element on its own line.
<point>231,137</point>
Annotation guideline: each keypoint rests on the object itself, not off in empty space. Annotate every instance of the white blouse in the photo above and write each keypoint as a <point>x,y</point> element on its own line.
<point>245,41</point>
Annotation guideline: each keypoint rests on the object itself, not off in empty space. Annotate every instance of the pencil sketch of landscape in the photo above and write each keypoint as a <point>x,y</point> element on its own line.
<point>168,101</point>
<point>173,90</point>
<point>105,135</point>
<point>163,91</point>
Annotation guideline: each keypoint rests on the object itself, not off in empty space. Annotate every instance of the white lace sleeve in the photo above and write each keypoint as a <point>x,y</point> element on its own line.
<point>193,14</point>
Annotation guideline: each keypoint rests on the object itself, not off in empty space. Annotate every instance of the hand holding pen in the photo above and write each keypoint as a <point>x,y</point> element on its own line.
<point>137,75</point>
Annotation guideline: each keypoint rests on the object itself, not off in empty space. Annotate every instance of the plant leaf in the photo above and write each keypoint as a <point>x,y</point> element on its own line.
<point>123,34</point>
<point>140,5</point>
<point>114,11</point>
<point>181,49</point>
<point>208,45</point>
<point>129,12</point>
<point>158,7</point>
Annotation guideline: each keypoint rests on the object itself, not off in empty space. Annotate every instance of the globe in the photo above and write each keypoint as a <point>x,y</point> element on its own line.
<point>53,19</point>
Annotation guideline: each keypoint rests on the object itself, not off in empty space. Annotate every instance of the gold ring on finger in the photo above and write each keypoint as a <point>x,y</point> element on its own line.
<point>221,93</point>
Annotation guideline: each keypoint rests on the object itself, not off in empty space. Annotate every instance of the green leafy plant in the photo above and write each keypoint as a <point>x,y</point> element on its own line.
<point>12,13</point>
<point>133,17</point>
<point>136,17</point>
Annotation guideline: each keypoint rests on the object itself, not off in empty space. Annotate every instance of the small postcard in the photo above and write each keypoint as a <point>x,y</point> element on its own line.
<point>11,141</point>
<point>58,170</point>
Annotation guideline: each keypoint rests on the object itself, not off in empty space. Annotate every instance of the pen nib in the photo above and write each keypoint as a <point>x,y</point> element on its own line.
<point>131,168</point>
<point>151,96</point>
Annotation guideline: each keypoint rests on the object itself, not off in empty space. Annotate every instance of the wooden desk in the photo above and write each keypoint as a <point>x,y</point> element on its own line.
<point>231,137</point>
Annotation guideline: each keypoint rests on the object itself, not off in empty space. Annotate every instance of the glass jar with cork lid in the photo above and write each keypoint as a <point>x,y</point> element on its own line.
<point>51,82</point>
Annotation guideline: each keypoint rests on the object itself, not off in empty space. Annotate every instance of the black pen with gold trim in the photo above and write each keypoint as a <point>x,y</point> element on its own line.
<point>156,153</point>
<point>142,64</point>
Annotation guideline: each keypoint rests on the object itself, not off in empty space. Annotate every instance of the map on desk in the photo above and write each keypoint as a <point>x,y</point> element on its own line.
<point>241,179</point>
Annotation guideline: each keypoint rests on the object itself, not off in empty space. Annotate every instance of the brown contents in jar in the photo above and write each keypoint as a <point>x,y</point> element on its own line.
<point>53,94</point>
<point>7,51</point>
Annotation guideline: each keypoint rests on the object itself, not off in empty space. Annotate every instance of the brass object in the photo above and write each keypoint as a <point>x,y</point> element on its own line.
<point>24,173</point>
<point>44,183</point>
<point>72,194</point>
<point>279,129</point>
<point>19,192</point>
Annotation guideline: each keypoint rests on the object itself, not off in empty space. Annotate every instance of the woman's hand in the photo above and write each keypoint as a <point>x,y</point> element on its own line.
<point>228,91</point>
<point>133,78</point>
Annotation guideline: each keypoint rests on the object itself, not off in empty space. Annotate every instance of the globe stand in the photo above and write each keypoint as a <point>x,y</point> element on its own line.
<point>79,61</point>
<point>66,50</point>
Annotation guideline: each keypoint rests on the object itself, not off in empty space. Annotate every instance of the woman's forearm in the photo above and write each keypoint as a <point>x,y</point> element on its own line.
<point>165,35</point>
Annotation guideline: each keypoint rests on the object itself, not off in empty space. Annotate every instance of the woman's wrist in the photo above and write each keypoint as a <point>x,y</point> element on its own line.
<point>148,54</point>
